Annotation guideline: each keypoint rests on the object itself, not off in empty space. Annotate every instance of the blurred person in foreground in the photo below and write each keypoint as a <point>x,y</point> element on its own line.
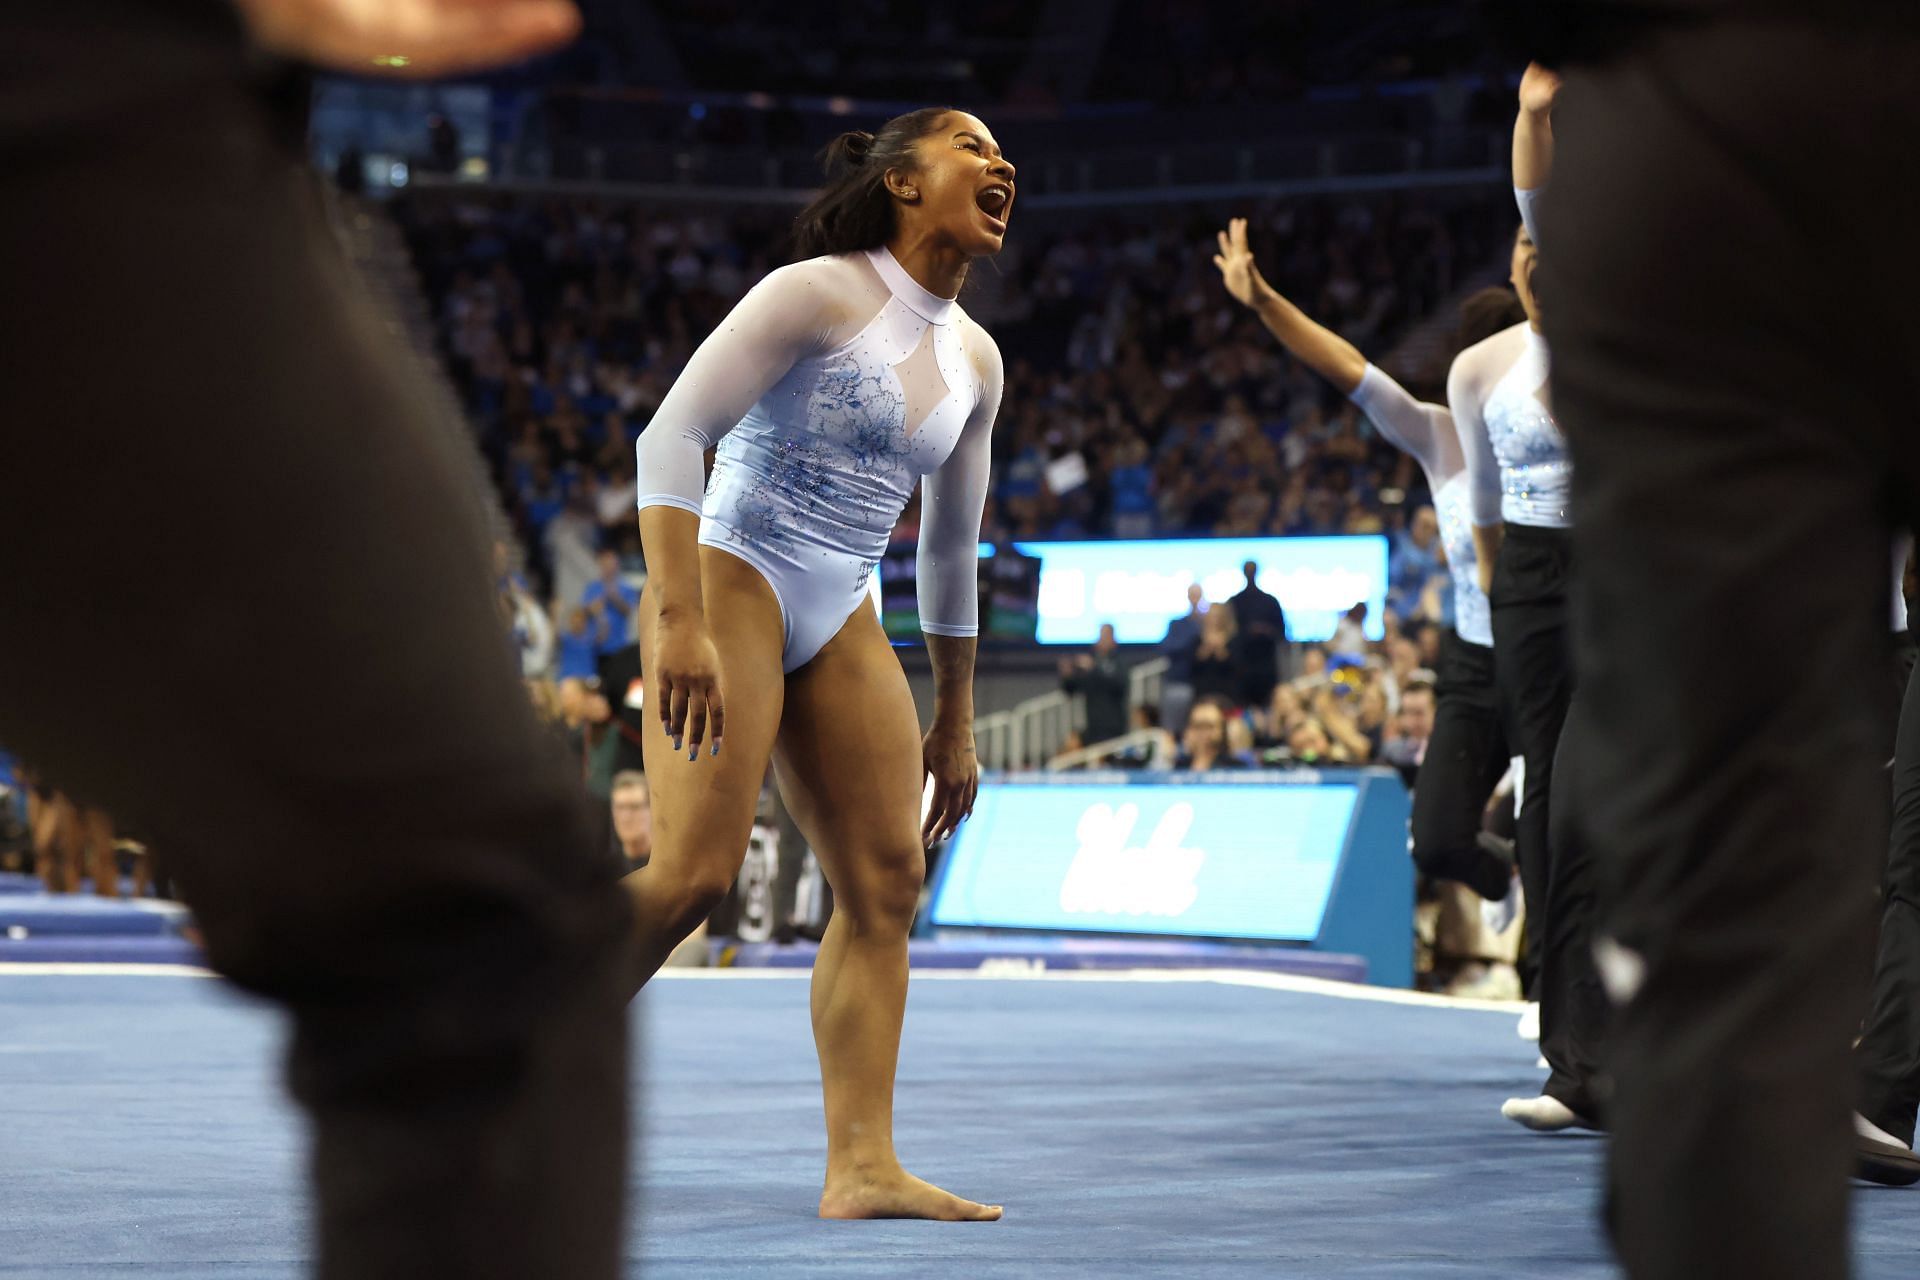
<point>394,852</point>
<point>1715,357</point>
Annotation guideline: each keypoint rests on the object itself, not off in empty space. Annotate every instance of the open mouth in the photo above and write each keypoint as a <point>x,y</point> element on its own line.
<point>993,201</point>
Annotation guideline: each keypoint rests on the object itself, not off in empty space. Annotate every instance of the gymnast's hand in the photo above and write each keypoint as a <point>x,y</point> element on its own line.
<point>1235,261</point>
<point>1538,88</point>
<point>948,756</point>
<point>415,38</point>
<point>686,683</point>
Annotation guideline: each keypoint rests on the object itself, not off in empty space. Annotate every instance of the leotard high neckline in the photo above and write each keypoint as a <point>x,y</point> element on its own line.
<point>923,302</point>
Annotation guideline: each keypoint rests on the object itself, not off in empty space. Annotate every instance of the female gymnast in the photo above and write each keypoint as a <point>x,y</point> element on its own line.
<point>834,385</point>
<point>1467,753</point>
<point>1519,478</point>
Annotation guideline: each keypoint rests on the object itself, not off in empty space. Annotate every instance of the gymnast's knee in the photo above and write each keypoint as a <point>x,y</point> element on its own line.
<point>885,889</point>
<point>685,896</point>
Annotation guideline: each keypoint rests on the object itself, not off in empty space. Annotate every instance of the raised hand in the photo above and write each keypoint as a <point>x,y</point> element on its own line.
<point>1538,88</point>
<point>1235,261</point>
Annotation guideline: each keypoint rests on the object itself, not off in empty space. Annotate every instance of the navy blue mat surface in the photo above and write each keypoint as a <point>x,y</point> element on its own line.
<point>1132,1128</point>
<point>100,949</point>
<point>66,914</point>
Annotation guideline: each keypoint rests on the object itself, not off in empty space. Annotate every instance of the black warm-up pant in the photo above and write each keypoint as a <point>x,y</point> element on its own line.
<point>1466,756</point>
<point>1575,1015</point>
<point>1533,669</point>
<point>1888,1054</point>
<point>1731,316</point>
<point>250,610</point>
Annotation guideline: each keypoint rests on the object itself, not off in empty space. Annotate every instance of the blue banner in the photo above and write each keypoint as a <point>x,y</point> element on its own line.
<point>1194,859</point>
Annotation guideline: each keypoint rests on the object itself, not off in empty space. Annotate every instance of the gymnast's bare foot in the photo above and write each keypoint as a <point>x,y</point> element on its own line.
<point>895,1193</point>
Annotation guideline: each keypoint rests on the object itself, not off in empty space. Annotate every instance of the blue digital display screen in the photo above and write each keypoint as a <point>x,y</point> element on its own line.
<point>1205,860</point>
<point>1141,586</point>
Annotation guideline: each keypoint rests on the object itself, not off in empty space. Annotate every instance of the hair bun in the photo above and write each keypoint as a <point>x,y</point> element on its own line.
<point>848,151</point>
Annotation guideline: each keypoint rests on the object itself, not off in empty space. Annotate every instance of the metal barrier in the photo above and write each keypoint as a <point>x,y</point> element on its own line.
<point>1144,683</point>
<point>1158,741</point>
<point>1029,734</point>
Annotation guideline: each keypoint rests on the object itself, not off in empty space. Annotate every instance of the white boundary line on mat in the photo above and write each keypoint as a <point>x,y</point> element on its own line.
<point>1293,983</point>
<point>27,968</point>
<point>1222,977</point>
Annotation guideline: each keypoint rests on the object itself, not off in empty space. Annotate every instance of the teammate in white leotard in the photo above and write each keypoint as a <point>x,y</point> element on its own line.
<point>1467,753</point>
<point>832,388</point>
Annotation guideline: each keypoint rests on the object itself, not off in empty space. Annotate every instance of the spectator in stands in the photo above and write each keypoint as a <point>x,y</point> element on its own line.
<point>1370,717</point>
<point>1417,560</point>
<point>633,817</point>
<point>580,643</point>
<point>1263,630</point>
<point>1350,633</point>
<point>632,802</point>
<point>1101,679</point>
<point>1204,745</point>
<point>611,602</point>
<point>1406,746</point>
<point>1330,714</point>
<point>1182,641</point>
<point>1313,662</point>
<point>1286,709</point>
<point>1216,659</point>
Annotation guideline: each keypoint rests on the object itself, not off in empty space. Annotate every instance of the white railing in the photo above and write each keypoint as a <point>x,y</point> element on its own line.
<point>1029,734</point>
<point>1157,745</point>
<point>1144,683</point>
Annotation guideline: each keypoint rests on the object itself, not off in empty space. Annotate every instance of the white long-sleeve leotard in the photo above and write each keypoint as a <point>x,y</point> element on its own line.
<point>832,388</point>
<point>1518,469</point>
<point>1426,432</point>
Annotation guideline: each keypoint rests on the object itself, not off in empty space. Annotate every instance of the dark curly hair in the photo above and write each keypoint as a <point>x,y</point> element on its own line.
<point>854,211</point>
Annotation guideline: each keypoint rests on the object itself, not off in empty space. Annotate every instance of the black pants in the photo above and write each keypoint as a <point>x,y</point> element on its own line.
<point>1466,755</point>
<point>1575,1015</point>
<point>1533,668</point>
<point>250,608</point>
<point>1740,397</point>
<point>1888,1054</point>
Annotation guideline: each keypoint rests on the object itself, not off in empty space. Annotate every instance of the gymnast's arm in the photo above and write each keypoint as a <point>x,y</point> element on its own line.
<point>1423,430</point>
<point>952,500</point>
<point>783,319</point>
<point>1319,348</point>
<point>1533,141</point>
<point>1464,396</point>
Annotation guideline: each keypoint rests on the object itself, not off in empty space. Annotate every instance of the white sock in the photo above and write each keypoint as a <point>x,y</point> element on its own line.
<point>1868,1129</point>
<point>1497,916</point>
<point>1541,1114</point>
<point>1529,1028</point>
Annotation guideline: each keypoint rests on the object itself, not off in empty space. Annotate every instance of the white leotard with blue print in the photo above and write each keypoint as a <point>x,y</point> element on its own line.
<point>1518,468</point>
<point>1426,432</point>
<point>834,387</point>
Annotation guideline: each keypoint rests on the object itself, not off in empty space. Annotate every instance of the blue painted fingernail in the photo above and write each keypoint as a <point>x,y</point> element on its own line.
<point>677,741</point>
<point>716,748</point>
